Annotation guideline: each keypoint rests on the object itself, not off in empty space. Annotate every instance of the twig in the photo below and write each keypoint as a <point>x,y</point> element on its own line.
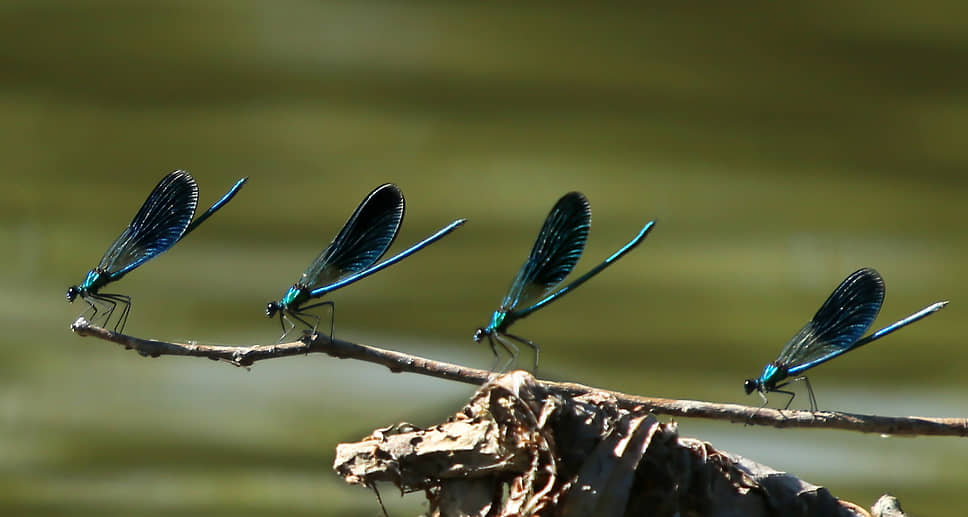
<point>245,356</point>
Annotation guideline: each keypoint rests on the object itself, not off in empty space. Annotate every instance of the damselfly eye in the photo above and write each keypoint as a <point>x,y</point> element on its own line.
<point>272,308</point>
<point>749,386</point>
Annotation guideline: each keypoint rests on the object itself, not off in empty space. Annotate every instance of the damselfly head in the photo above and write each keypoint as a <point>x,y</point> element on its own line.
<point>72,293</point>
<point>751,385</point>
<point>479,334</point>
<point>272,308</point>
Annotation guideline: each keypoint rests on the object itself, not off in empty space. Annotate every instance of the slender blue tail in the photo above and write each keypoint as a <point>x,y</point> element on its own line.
<point>214,208</point>
<point>594,271</point>
<point>927,311</point>
<point>320,291</point>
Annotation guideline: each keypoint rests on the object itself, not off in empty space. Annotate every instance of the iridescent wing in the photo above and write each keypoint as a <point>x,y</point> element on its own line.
<point>365,237</point>
<point>556,251</point>
<point>159,224</point>
<point>838,325</point>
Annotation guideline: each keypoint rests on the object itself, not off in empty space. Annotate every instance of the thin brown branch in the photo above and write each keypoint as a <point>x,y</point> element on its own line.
<point>245,356</point>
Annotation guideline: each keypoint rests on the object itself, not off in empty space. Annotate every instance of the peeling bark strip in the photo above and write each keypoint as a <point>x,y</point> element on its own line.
<point>519,450</point>
<point>397,362</point>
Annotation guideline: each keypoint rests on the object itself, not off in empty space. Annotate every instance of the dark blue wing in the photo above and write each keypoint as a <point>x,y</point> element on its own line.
<point>556,251</point>
<point>591,272</point>
<point>839,323</point>
<point>349,279</point>
<point>159,224</point>
<point>365,237</point>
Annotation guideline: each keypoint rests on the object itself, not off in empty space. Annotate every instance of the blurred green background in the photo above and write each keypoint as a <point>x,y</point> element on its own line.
<point>780,148</point>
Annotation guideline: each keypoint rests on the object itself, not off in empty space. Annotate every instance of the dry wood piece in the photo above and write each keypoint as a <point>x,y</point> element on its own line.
<point>887,506</point>
<point>519,449</point>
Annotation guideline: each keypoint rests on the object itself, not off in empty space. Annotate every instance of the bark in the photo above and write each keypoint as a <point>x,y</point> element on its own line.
<point>519,449</point>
